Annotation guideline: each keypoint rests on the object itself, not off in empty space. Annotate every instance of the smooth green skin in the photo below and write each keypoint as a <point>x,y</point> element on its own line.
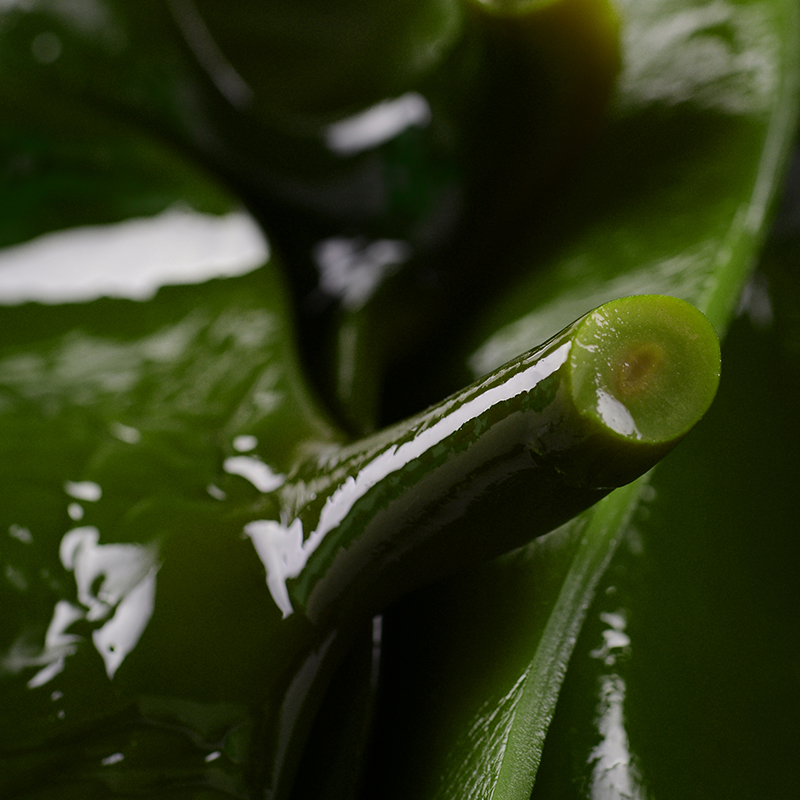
<point>511,98</point>
<point>376,518</point>
<point>57,425</point>
<point>498,98</point>
<point>606,266</point>
<point>525,443</point>
<point>663,204</point>
<point>290,58</point>
<point>706,593</point>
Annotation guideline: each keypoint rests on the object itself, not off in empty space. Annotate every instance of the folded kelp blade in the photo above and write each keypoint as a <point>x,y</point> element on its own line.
<point>172,668</point>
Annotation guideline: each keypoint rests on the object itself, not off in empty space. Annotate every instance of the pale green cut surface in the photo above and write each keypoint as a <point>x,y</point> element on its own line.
<point>646,367</point>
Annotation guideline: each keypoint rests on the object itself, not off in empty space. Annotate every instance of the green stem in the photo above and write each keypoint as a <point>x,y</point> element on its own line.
<point>507,459</point>
<point>517,453</point>
<point>242,667</point>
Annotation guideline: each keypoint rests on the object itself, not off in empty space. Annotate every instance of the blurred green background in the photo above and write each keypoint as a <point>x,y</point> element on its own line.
<point>570,152</point>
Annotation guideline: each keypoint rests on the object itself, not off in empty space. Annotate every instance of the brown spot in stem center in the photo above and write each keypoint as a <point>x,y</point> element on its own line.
<point>638,368</point>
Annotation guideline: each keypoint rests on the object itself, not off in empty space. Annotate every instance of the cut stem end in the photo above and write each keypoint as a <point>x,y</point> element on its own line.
<point>644,370</point>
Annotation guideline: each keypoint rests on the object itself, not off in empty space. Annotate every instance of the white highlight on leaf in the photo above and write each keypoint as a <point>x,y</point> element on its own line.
<point>282,551</point>
<point>116,586</point>
<point>255,471</point>
<point>245,443</point>
<point>83,490</point>
<point>614,775</point>
<point>125,433</point>
<point>352,270</point>
<point>131,259</point>
<point>378,124</point>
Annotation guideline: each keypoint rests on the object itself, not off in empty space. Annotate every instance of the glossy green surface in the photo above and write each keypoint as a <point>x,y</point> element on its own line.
<point>122,509</point>
<point>287,60</point>
<point>141,436</point>
<point>512,453</point>
<point>140,583</point>
<point>684,679</point>
<point>675,197</point>
<point>643,368</point>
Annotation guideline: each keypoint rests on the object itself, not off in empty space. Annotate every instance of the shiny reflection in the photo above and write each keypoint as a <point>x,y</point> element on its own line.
<point>84,368</point>
<point>131,259</point>
<point>378,124</point>
<point>614,773</point>
<point>186,374</point>
<point>58,644</point>
<point>616,642</point>
<point>283,553</point>
<point>122,632</point>
<point>615,416</point>
<point>15,578</point>
<point>295,700</point>
<point>125,433</point>
<point>285,549</point>
<point>614,776</point>
<point>20,534</point>
<point>338,506</point>
<point>254,470</point>
<point>87,17</point>
<point>216,492</point>
<point>716,55</point>
<point>115,586</point>
<point>244,444</point>
<point>83,490</point>
<point>353,269</point>
<point>756,302</point>
<point>200,39</point>
<point>684,275</point>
